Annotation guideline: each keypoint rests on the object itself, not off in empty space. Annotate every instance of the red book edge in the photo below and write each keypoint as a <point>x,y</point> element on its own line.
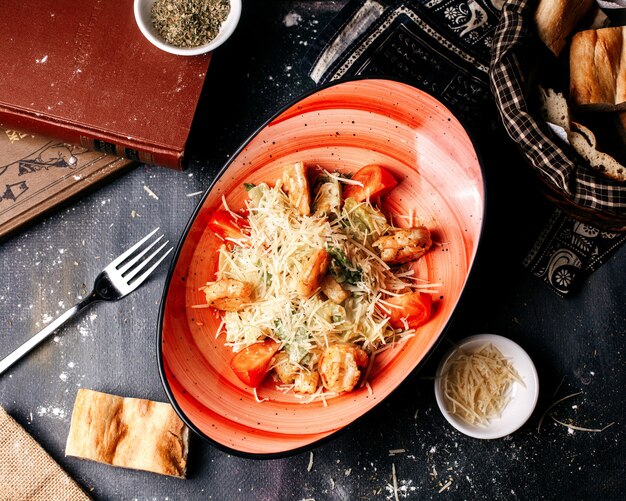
<point>92,139</point>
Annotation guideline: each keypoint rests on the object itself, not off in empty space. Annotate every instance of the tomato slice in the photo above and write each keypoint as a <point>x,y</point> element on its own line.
<point>376,182</point>
<point>250,365</point>
<point>224,224</point>
<point>414,307</point>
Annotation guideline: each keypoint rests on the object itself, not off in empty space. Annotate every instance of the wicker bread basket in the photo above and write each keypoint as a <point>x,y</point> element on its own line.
<point>574,186</point>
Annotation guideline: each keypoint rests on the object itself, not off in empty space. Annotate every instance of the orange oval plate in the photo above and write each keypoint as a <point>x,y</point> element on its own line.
<point>341,127</point>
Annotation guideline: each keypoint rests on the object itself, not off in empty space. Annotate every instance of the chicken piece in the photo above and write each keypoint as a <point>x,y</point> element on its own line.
<point>339,366</point>
<point>313,273</point>
<point>333,290</point>
<point>286,372</point>
<point>228,294</point>
<point>296,185</point>
<point>306,382</point>
<point>404,245</point>
<point>328,198</point>
<point>284,369</point>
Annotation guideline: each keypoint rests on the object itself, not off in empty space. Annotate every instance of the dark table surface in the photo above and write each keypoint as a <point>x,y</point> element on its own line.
<point>577,343</point>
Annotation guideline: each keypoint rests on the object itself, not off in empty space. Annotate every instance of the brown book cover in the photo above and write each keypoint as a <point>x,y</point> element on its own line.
<point>39,173</point>
<point>82,72</point>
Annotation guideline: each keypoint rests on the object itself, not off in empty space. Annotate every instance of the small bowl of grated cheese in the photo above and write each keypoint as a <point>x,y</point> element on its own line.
<point>486,386</point>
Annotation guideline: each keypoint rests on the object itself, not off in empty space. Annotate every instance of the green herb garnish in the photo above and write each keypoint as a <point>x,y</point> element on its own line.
<point>342,270</point>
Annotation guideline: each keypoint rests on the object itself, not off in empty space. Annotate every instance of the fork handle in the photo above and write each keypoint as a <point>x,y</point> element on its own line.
<point>9,360</point>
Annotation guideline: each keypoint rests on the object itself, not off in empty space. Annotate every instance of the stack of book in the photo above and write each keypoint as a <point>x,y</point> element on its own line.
<point>82,95</point>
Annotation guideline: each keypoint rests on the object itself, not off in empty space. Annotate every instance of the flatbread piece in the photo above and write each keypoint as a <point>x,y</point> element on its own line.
<point>128,432</point>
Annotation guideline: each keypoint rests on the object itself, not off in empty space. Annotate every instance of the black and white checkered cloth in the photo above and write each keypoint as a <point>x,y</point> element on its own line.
<point>456,50</point>
<point>574,186</point>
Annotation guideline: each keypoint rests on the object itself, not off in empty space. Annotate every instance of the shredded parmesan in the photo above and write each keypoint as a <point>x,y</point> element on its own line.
<point>256,396</point>
<point>150,192</point>
<point>445,486</point>
<point>394,480</point>
<point>310,466</point>
<point>553,404</point>
<point>580,428</point>
<point>344,180</point>
<point>477,384</point>
<point>276,243</point>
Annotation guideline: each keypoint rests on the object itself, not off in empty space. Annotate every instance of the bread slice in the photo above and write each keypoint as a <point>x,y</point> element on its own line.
<point>584,142</point>
<point>556,19</point>
<point>554,108</point>
<point>598,69</point>
<point>128,432</point>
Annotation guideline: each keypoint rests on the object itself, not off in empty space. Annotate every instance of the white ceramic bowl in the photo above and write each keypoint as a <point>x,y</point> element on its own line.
<point>523,398</point>
<point>144,21</point>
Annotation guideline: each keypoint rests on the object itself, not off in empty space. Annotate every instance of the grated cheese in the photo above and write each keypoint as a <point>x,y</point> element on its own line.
<point>571,426</point>
<point>394,480</point>
<point>477,384</point>
<point>277,241</point>
<point>446,486</point>
<point>150,192</point>
<point>256,396</point>
<point>344,180</point>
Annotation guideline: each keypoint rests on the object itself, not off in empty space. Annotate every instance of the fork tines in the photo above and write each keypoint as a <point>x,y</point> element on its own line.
<point>129,264</point>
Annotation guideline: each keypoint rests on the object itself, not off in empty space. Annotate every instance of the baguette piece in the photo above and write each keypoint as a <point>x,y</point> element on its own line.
<point>584,142</point>
<point>598,69</point>
<point>554,108</point>
<point>556,19</point>
<point>128,432</point>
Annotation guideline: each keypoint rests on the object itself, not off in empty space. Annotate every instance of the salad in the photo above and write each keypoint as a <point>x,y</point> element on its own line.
<point>314,280</point>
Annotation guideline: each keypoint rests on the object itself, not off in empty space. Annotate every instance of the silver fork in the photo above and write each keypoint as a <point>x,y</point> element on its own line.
<point>117,280</point>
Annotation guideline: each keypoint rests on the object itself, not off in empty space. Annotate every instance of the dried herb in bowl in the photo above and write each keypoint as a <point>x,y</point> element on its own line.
<point>189,23</point>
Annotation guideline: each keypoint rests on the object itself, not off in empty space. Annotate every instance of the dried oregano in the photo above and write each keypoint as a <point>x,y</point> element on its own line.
<point>189,23</point>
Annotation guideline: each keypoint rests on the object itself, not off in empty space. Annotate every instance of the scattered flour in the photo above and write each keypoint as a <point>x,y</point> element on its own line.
<point>53,412</point>
<point>84,331</point>
<point>292,19</point>
<point>405,489</point>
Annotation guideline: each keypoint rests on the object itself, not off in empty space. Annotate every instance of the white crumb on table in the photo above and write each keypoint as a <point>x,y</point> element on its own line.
<point>150,192</point>
<point>292,19</point>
